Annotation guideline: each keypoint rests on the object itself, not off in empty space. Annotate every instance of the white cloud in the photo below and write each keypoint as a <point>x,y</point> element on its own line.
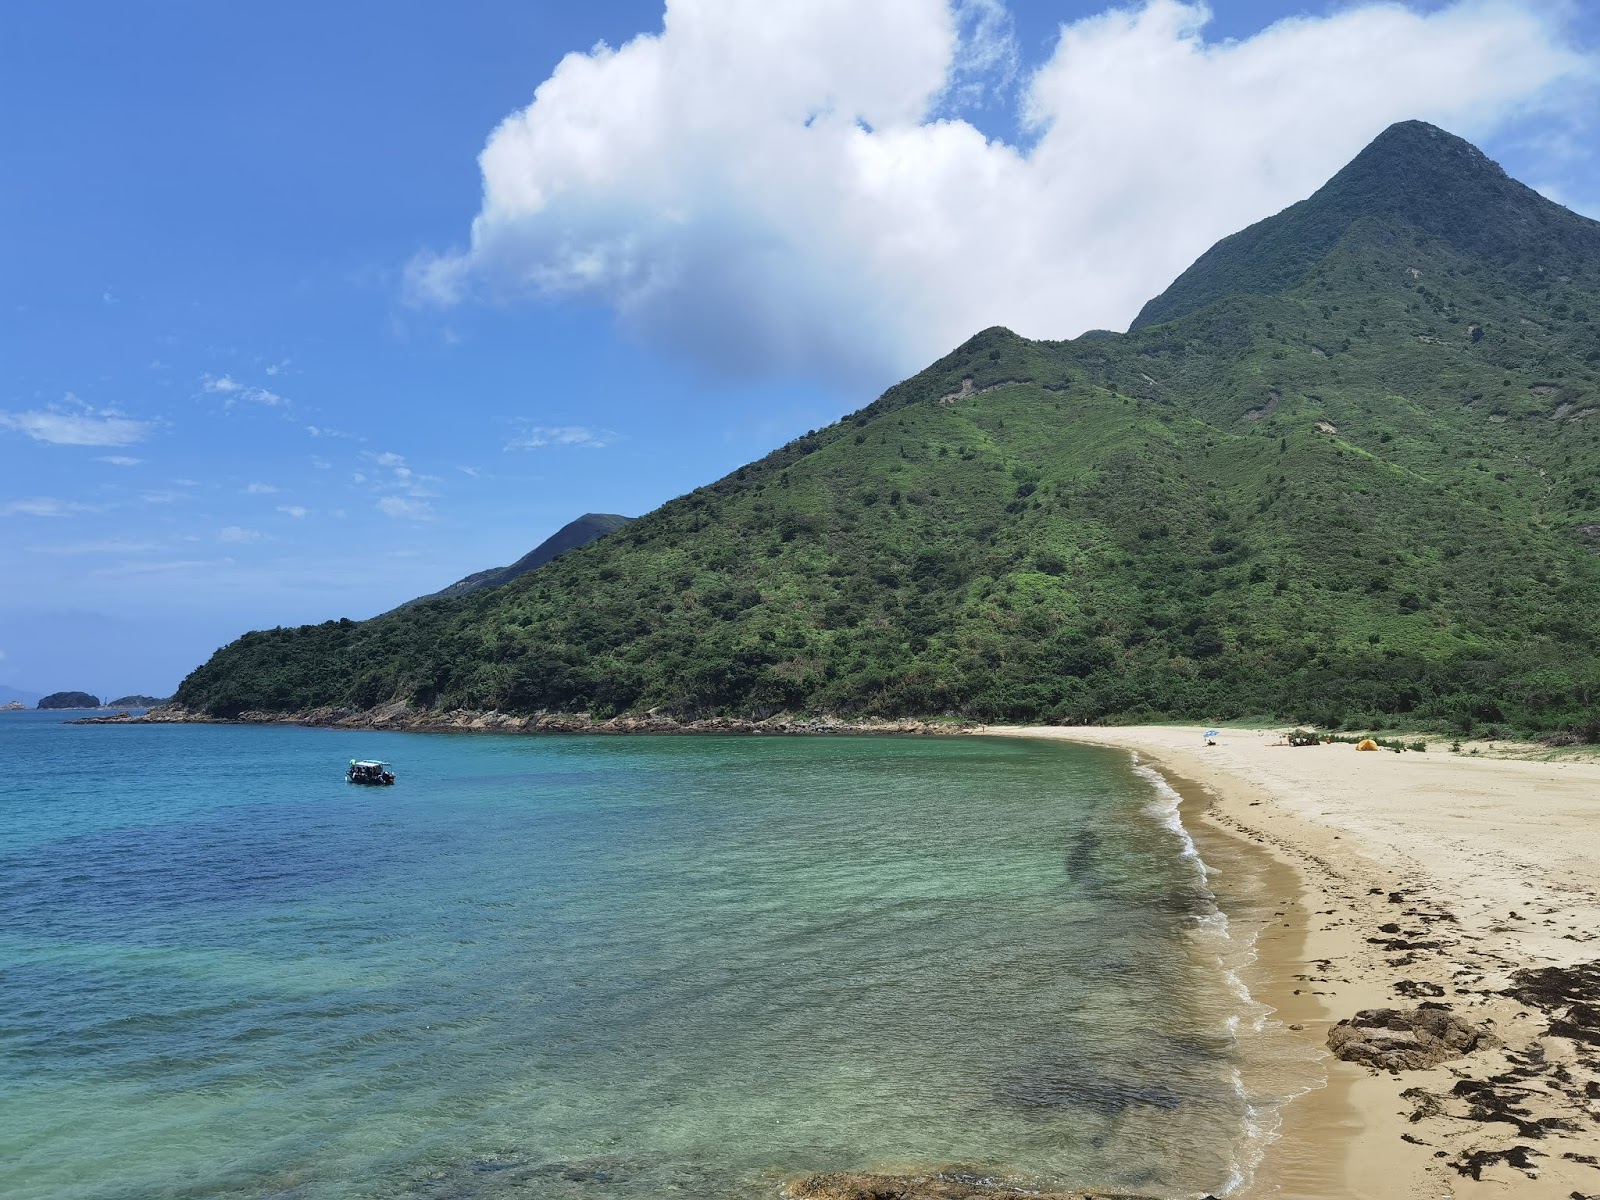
<point>98,548</point>
<point>294,510</point>
<point>389,459</point>
<point>40,506</point>
<point>118,460</point>
<point>400,507</point>
<point>233,390</point>
<point>561,435</point>
<point>260,489</point>
<point>234,533</point>
<point>73,423</point>
<point>770,188</point>
<point>206,567</point>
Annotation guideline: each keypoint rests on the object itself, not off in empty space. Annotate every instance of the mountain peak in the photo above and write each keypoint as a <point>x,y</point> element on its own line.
<point>1409,142</point>
<point>571,536</point>
<point>1412,176</point>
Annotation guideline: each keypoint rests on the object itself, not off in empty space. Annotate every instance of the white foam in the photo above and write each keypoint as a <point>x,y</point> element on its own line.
<point>1234,955</point>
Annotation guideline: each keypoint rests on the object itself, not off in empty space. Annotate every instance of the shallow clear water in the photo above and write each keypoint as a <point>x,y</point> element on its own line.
<point>593,967</point>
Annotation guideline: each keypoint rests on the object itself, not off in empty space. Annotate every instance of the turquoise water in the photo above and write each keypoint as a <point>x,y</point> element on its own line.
<point>593,967</point>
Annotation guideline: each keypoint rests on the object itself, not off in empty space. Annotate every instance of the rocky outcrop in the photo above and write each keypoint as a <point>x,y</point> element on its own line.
<point>401,716</point>
<point>1394,1039</point>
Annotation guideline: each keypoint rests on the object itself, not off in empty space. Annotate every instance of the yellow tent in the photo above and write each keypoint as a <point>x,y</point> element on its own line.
<point>1366,744</point>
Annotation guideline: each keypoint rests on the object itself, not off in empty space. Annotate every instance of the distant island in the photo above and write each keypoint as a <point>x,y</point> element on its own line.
<point>135,702</point>
<point>69,700</point>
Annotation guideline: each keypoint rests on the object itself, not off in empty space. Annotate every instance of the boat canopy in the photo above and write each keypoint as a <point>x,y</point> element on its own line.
<point>368,762</point>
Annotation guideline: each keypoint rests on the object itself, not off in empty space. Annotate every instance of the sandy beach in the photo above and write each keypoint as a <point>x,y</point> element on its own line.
<point>1429,878</point>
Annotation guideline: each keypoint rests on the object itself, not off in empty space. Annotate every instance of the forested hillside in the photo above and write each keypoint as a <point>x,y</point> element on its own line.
<point>1346,470</point>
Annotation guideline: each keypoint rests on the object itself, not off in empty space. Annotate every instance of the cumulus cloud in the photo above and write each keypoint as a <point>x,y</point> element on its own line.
<point>119,460</point>
<point>237,534</point>
<point>74,423</point>
<point>293,510</point>
<point>561,435</point>
<point>780,187</point>
<point>233,391</point>
<point>400,507</point>
<point>260,489</point>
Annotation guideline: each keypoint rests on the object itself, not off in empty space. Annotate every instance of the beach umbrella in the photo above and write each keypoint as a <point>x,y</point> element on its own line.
<point>1211,733</point>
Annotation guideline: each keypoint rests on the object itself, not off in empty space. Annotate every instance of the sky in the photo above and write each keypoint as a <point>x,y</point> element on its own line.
<point>310,308</point>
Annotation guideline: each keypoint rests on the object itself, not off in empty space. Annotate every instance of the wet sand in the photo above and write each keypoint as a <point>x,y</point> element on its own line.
<point>1396,880</point>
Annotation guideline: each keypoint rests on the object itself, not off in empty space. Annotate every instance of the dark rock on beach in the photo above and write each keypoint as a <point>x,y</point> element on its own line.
<point>1393,1039</point>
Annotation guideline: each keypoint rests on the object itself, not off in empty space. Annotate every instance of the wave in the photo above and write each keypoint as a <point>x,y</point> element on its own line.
<point>1250,1021</point>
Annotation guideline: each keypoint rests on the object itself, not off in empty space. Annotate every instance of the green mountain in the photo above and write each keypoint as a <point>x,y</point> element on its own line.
<point>1346,469</point>
<point>570,536</point>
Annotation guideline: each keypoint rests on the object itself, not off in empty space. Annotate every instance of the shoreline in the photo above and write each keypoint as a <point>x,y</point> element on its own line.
<point>1385,882</point>
<point>401,718</point>
<point>1399,880</point>
<point>1254,889</point>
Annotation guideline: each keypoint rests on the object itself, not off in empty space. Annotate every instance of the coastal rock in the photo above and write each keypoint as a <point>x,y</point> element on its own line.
<point>401,716</point>
<point>1394,1039</point>
<point>942,1185</point>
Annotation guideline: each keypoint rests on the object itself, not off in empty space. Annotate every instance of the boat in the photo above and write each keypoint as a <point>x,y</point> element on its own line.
<point>369,771</point>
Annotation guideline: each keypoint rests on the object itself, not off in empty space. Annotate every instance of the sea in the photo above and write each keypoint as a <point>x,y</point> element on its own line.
<point>601,968</point>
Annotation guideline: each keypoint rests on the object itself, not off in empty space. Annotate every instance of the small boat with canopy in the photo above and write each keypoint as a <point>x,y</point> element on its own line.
<point>369,771</point>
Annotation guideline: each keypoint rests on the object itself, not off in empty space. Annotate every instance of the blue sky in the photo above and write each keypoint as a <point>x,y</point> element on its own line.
<point>271,356</point>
